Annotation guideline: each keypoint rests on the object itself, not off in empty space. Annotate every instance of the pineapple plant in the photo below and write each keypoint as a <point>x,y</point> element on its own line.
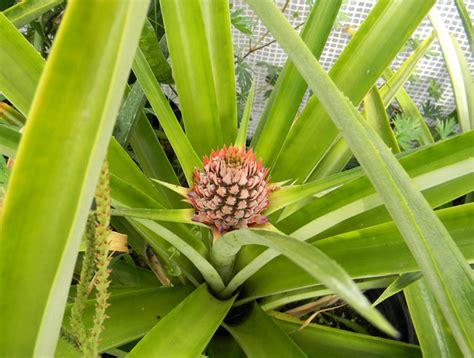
<point>269,236</point>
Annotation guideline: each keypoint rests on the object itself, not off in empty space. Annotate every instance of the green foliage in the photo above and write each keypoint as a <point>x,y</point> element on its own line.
<point>446,127</point>
<point>434,90</point>
<point>431,110</point>
<point>243,74</point>
<point>242,22</point>
<point>407,131</point>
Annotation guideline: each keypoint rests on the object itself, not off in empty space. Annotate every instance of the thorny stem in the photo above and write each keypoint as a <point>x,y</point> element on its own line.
<point>77,328</point>
<point>102,231</point>
<point>96,257</point>
<point>71,338</point>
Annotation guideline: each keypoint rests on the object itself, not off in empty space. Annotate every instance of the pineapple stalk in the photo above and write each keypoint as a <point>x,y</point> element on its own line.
<point>223,264</point>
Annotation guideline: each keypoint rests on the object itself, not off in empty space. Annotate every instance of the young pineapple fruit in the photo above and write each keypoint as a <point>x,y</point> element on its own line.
<point>231,190</point>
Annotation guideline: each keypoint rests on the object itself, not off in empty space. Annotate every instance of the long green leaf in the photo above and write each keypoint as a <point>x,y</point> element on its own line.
<point>20,66</point>
<point>131,315</point>
<point>219,38</point>
<point>466,22</point>
<point>332,161</point>
<point>150,153</point>
<point>128,114</point>
<point>26,11</point>
<point>131,108</point>
<point>11,116</point>
<point>372,49</point>
<point>401,282</point>
<point>259,336</point>
<point>394,83</point>
<point>171,215</point>
<point>153,160</point>
<point>133,125</point>
<point>432,330</point>
<point>87,69</point>
<point>371,252</point>
<point>185,331</point>
<point>150,47</point>
<point>377,117</point>
<point>320,341</point>
<point>192,71</point>
<point>466,120</point>
<point>281,108</point>
<point>467,78</point>
<point>310,259</point>
<point>180,143</point>
<point>9,139</point>
<point>442,263</point>
<point>122,165</point>
<point>124,193</point>
<point>297,193</point>
<point>241,140</point>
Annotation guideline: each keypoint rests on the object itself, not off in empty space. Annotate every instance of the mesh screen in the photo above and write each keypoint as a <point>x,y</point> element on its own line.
<point>353,14</point>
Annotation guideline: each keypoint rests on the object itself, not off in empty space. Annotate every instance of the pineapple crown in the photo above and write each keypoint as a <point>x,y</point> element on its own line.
<point>231,190</point>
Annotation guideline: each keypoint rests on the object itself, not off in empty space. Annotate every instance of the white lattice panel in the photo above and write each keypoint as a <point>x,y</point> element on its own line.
<point>357,11</point>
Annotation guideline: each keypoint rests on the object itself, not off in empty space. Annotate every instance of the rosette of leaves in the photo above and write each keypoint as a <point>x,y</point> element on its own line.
<point>330,235</point>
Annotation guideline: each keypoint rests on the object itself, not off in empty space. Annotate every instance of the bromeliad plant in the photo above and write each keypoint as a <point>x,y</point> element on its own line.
<point>269,226</point>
